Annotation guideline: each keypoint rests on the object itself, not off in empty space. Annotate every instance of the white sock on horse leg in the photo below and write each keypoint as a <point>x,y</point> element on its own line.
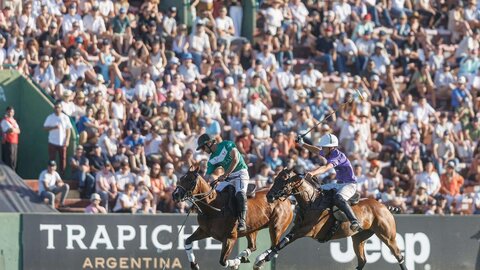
<point>189,251</point>
<point>232,263</point>
<point>245,253</point>
<point>262,256</point>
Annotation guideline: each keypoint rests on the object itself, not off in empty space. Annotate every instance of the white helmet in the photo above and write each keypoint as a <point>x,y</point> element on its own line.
<point>328,140</point>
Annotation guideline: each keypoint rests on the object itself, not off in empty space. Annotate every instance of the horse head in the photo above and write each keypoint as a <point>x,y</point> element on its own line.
<point>285,183</point>
<point>187,185</point>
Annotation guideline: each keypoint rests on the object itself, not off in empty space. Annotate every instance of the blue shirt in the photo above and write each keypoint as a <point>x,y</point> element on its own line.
<point>273,163</point>
<point>341,165</point>
<point>457,96</point>
<point>213,129</point>
<point>319,111</point>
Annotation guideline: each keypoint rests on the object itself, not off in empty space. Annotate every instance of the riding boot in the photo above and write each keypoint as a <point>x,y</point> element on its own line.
<point>242,211</point>
<point>345,207</point>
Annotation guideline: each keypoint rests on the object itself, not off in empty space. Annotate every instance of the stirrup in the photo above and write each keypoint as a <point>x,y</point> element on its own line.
<point>355,226</point>
<point>242,226</point>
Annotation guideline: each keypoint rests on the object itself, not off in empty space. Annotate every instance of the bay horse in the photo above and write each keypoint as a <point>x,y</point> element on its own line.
<point>315,222</point>
<point>217,220</point>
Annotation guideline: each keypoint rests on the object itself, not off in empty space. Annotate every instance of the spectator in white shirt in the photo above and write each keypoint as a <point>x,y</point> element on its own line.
<point>59,129</point>
<point>144,87</point>
<point>71,17</point>
<point>94,23</point>
<point>225,28</point>
<point>346,52</point>
<point>169,22</point>
<point>50,184</point>
<point>106,8</point>
<point>105,184</point>
<point>199,44</point>
<point>310,76</point>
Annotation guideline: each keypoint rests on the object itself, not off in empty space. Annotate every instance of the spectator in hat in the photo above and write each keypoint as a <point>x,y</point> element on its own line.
<point>365,46</point>
<point>50,184</point>
<point>80,169</point>
<point>346,52</point>
<point>310,76</point>
<point>443,151</point>
<point>380,58</point>
<point>451,183</point>
<point>44,74</point>
<point>59,130</point>
<point>364,26</point>
<point>94,207</point>
<point>169,23</point>
<point>199,43</point>
<point>460,93</point>
<point>94,23</point>
<point>422,201</point>
<point>96,159</point>
<point>324,49</point>
<point>122,32</point>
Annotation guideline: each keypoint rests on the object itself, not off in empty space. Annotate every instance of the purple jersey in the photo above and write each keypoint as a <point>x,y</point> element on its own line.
<point>342,166</point>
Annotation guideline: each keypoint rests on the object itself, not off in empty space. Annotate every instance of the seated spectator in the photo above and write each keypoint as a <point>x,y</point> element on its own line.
<point>391,197</point>
<point>373,182</point>
<point>80,169</point>
<point>143,177</point>
<point>264,178</point>
<point>50,184</point>
<point>273,160</point>
<point>430,179</point>
<point>106,184</point>
<point>94,207</point>
<point>422,202</point>
<point>443,151</point>
<point>127,201</point>
<point>451,183</point>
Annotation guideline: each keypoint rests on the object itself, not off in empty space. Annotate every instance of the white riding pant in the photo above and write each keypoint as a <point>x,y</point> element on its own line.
<point>237,179</point>
<point>346,190</point>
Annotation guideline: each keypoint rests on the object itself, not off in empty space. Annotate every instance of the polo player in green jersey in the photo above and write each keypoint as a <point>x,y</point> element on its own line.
<point>226,155</point>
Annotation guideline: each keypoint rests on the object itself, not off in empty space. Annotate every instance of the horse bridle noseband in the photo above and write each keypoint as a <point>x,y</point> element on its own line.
<point>284,193</point>
<point>194,198</point>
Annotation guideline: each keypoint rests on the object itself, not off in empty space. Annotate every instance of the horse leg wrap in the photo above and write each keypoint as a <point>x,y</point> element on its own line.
<point>245,253</point>
<point>261,257</point>
<point>402,264</point>
<point>235,263</point>
<point>282,243</point>
<point>189,251</point>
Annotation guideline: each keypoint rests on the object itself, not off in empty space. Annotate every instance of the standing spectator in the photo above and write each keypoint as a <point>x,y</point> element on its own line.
<point>59,129</point>
<point>106,185</point>
<point>50,184</point>
<point>94,207</point>
<point>10,131</point>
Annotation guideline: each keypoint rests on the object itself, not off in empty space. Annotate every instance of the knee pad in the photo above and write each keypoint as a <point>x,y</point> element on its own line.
<point>338,198</point>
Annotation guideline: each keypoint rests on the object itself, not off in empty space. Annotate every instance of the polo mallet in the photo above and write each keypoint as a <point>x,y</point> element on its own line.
<point>330,114</point>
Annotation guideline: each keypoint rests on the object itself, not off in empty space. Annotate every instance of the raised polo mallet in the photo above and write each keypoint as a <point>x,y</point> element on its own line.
<point>330,114</point>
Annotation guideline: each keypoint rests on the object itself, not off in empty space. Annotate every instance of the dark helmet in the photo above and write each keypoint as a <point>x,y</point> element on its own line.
<point>203,140</point>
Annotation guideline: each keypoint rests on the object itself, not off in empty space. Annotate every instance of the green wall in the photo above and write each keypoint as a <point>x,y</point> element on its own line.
<point>31,109</point>
<point>10,249</point>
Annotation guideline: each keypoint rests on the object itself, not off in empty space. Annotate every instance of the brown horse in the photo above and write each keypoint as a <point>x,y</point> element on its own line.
<point>217,220</point>
<point>312,221</point>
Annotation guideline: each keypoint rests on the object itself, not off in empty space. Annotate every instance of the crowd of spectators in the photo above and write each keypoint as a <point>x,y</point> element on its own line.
<point>141,87</point>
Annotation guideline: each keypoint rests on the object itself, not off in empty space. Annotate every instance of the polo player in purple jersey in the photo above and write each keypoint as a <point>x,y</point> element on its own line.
<point>346,184</point>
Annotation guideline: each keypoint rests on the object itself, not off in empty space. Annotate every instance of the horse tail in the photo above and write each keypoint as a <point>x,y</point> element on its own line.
<point>393,209</point>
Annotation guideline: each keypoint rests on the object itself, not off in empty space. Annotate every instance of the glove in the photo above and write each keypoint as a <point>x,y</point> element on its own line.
<point>213,184</point>
<point>299,140</point>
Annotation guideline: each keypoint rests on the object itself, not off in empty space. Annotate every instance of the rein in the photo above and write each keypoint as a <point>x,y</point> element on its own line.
<point>198,198</point>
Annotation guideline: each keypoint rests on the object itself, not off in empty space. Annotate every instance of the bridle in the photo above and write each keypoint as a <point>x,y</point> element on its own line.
<point>290,187</point>
<point>195,198</point>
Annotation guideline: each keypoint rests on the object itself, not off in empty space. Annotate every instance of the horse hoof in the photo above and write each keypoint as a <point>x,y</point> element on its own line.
<point>244,260</point>
<point>258,265</point>
<point>194,266</point>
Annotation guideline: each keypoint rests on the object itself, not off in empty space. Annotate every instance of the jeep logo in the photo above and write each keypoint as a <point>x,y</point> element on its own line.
<point>415,247</point>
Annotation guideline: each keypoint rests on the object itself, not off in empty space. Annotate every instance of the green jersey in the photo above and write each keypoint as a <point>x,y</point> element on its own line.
<point>221,158</point>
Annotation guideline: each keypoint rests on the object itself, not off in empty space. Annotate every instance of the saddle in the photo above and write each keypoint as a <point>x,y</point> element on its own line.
<point>229,191</point>
<point>338,215</point>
